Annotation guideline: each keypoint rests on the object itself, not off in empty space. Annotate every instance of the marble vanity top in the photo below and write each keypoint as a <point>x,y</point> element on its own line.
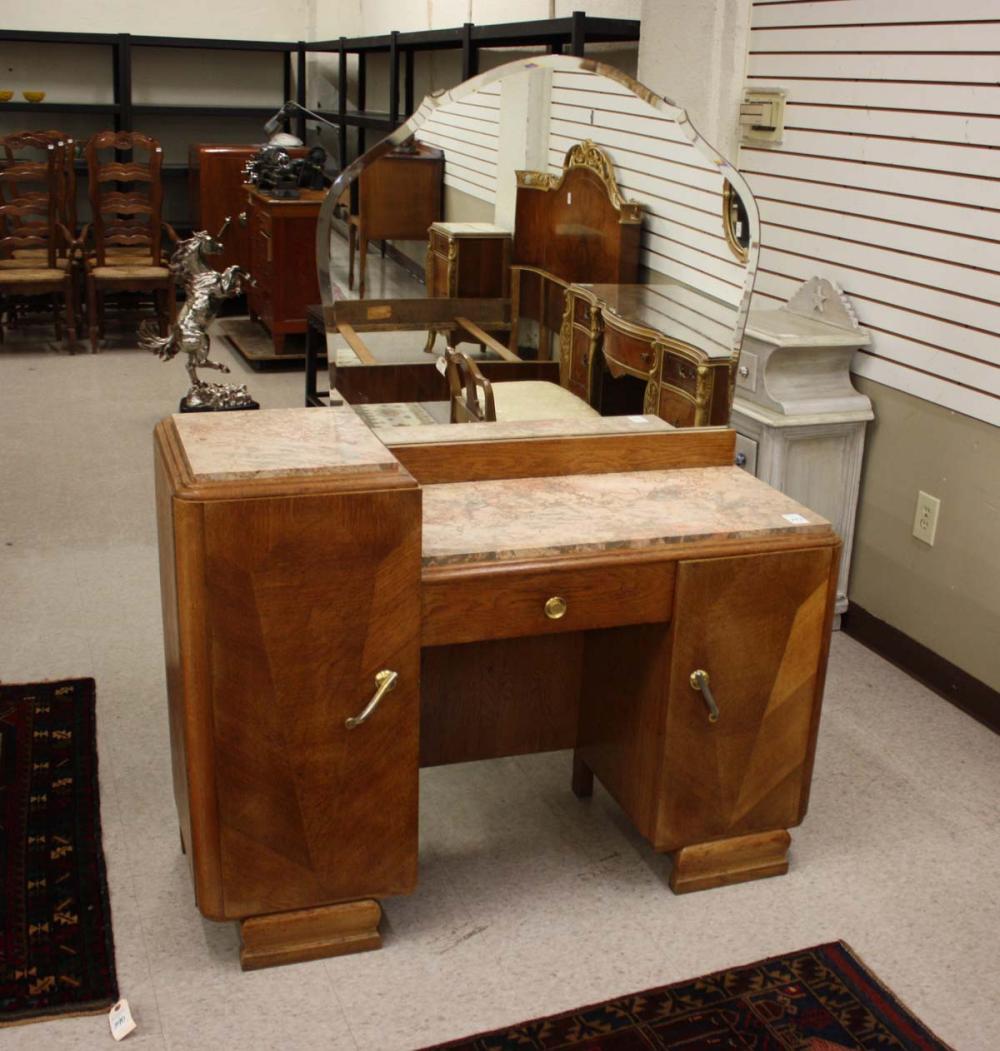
<point>485,432</point>
<point>500,521</point>
<point>228,446</point>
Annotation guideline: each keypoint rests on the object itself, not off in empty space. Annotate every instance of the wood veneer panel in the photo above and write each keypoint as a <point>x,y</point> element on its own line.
<point>759,625</point>
<point>293,652</point>
<point>577,454</point>
<point>505,697</point>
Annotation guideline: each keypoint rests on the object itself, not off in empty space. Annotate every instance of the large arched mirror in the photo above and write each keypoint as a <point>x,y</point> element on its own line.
<point>549,240</point>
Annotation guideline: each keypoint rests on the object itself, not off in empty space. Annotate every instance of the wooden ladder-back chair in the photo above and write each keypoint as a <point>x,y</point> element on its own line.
<point>35,244</point>
<point>126,201</point>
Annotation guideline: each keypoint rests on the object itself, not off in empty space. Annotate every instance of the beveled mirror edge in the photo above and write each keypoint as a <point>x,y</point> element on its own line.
<point>435,100</point>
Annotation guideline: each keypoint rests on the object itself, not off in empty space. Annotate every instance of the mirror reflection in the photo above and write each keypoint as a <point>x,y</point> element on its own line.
<point>547,242</point>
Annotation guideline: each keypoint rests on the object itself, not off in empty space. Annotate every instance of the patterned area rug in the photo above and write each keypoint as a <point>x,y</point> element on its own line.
<point>56,950</point>
<point>821,999</point>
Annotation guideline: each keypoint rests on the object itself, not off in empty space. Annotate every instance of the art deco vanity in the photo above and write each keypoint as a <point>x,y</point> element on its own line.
<point>334,593</point>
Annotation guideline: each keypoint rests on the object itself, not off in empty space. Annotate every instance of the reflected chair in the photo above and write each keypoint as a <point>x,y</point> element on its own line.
<point>474,399</point>
<point>126,200</point>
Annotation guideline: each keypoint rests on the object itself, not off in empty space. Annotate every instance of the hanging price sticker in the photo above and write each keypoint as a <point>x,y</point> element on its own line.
<point>441,365</point>
<point>121,1020</point>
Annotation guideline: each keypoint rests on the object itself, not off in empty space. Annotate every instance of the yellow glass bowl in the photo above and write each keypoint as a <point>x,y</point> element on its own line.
<point>33,96</point>
<point>6,96</point>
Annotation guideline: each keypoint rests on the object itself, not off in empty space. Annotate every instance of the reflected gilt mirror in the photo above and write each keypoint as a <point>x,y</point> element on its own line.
<point>549,241</point>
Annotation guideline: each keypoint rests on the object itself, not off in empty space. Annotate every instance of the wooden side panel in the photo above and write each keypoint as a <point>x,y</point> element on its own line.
<point>179,523</point>
<point>309,811</point>
<point>625,677</point>
<point>504,697</point>
<point>759,625</point>
<point>575,454</point>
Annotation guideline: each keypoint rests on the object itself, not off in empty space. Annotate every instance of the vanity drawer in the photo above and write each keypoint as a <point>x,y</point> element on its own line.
<point>677,409</point>
<point>629,353</point>
<point>583,312</point>
<point>438,241</point>
<point>504,602</point>
<point>679,372</point>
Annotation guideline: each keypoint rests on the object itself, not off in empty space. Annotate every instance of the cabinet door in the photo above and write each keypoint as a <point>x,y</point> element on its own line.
<point>759,625</point>
<point>307,598</point>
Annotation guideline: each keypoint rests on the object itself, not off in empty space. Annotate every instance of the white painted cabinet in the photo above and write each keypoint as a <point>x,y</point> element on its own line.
<point>800,423</point>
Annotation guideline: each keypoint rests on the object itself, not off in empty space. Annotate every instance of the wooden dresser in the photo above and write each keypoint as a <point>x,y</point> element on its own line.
<point>621,590</point>
<point>217,192</point>
<point>395,198</point>
<point>282,237</point>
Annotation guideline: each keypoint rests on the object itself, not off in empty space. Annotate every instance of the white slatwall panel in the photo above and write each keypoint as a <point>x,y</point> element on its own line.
<point>680,191</point>
<point>887,181</point>
<point>468,132</point>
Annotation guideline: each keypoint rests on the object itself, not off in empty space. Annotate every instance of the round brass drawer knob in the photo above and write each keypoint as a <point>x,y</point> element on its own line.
<point>555,608</point>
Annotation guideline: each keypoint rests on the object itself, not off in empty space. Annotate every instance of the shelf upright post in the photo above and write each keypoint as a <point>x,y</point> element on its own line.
<point>342,100</point>
<point>394,77</point>
<point>578,33</point>
<point>300,87</point>
<point>122,51</point>
<point>286,86</point>
<point>470,53</point>
<point>408,102</point>
<point>362,99</point>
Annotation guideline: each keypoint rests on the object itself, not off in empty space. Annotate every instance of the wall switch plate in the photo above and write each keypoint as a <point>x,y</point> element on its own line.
<point>925,519</point>
<point>762,116</point>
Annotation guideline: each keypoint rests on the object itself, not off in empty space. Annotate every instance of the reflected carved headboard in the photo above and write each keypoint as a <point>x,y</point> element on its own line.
<point>575,224</point>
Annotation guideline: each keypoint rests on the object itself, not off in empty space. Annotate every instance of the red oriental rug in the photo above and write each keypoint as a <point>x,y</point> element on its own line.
<point>820,999</point>
<point>56,951</point>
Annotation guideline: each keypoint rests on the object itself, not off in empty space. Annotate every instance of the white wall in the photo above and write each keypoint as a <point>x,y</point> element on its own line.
<point>886,182</point>
<point>227,19</point>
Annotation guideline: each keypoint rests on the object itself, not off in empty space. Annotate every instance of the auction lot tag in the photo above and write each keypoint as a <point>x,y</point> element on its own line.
<point>121,1020</point>
<point>796,519</point>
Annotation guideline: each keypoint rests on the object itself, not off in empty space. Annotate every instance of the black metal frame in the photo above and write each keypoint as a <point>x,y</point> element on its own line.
<point>558,35</point>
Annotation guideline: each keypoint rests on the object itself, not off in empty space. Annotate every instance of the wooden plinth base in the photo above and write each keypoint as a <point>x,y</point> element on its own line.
<point>309,934</point>
<point>726,861</point>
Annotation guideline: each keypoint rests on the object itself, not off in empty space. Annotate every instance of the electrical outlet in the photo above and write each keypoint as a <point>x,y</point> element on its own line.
<point>925,519</point>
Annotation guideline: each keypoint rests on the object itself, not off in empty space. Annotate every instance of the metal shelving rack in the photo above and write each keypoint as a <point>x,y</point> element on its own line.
<point>557,35</point>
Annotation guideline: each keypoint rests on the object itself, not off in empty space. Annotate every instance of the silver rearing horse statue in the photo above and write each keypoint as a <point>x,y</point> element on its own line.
<point>203,289</point>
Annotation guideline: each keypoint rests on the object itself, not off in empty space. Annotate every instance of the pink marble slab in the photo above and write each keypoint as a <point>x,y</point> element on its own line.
<point>493,432</point>
<point>575,514</point>
<point>228,446</point>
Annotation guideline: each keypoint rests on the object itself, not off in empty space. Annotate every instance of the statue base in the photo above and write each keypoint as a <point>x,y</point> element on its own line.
<point>217,397</point>
<point>184,407</point>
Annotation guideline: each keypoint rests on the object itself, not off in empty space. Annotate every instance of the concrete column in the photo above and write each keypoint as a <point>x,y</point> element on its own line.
<point>694,52</point>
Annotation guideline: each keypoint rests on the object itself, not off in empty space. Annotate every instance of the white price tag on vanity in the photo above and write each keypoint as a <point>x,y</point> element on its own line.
<point>796,519</point>
<point>120,1019</point>
<point>441,365</point>
<point>637,419</point>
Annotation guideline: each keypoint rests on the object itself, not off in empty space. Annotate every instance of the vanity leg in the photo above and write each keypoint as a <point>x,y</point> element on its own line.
<point>309,934</point>
<point>724,861</point>
<point>583,778</point>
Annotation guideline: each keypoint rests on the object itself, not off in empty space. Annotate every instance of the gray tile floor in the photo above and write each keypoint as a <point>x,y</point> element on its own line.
<point>529,901</point>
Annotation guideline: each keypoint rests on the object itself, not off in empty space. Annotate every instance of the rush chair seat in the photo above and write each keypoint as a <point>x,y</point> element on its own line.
<point>126,199</point>
<point>474,399</point>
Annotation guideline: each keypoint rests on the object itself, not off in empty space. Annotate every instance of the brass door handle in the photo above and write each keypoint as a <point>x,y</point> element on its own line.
<point>385,681</point>
<point>699,681</point>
